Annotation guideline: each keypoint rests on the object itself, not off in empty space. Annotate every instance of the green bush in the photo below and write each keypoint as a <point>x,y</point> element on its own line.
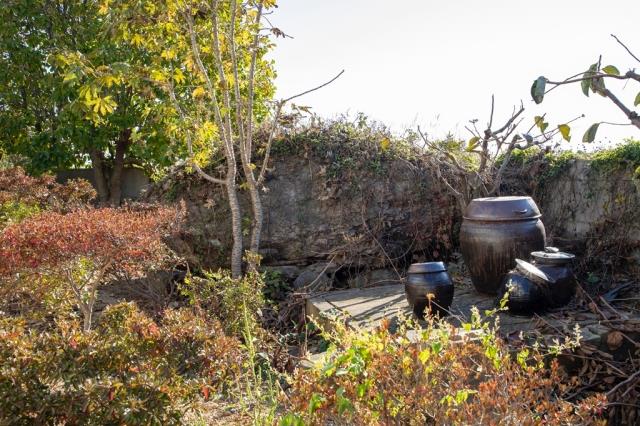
<point>345,145</point>
<point>14,211</point>
<point>217,294</point>
<point>129,370</point>
<point>625,155</point>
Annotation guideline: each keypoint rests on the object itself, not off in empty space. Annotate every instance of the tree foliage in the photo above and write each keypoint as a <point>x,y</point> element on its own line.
<point>61,104</point>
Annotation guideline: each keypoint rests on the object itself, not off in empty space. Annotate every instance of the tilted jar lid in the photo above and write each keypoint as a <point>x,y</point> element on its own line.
<point>531,271</point>
<point>497,209</point>
<point>556,258</point>
<point>427,267</point>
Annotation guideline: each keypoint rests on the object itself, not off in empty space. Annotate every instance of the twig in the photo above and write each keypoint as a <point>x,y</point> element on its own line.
<point>631,378</point>
<point>280,104</point>
<point>626,48</point>
<point>314,89</point>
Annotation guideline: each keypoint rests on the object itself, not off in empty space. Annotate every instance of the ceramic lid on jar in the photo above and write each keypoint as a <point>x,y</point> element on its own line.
<point>502,209</point>
<point>531,271</point>
<point>547,258</point>
<point>427,267</point>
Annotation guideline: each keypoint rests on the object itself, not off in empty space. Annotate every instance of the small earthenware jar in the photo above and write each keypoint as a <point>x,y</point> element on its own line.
<point>429,287</point>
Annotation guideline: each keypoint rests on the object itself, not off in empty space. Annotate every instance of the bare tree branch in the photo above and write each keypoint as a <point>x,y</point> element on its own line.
<point>626,48</point>
<point>314,89</point>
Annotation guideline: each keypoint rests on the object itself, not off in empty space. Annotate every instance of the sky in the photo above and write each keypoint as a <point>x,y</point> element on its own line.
<point>437,63</point>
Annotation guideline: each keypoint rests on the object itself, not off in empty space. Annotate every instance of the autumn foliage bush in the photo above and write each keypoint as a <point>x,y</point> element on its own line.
<point>436,376</point>
<point>128,370</point>
<point>84,248</point>
<point>43,192</point>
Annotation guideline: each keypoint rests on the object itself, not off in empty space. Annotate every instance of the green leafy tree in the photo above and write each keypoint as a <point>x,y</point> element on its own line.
<point>31,96</point>
<point>209,59</point>
<point>61,104</point>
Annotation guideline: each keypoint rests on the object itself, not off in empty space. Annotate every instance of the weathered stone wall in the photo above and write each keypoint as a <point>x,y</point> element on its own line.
<point>362,225</point>
<point>585,208</point>
<point>361,220</point>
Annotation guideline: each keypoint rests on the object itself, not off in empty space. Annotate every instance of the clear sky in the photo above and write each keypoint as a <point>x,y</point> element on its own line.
<point>437,63</point>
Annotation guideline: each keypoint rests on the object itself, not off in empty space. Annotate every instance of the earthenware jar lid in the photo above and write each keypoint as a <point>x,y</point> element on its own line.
<point>531,271</point>
<point>556,258</point>
<point>427,267</point>
<point>496,209</point>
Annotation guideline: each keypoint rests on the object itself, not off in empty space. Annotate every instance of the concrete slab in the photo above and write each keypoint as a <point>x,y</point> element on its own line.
<point>365,308</point>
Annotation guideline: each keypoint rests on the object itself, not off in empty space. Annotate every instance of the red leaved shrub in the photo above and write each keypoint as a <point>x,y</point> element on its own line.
<point>43,191</point>
<point>85,247</point>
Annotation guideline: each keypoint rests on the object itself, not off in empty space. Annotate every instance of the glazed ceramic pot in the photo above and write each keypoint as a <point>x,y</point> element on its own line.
<point>425,279</point>
<point>557,266</point>
<point>495,231</point>
<point>529,289</point>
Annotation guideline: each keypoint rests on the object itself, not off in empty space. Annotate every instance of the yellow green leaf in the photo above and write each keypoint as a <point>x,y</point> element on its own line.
<point>158,75</point>
<point>541,123</point>
<point>198,92</point>
<point>178,76</point>
<point>69,77</point>
<point>137,40</point>
<point>473,142</point>
<point>611,70</point>
<point>385,144</point>
<point>565,131</point>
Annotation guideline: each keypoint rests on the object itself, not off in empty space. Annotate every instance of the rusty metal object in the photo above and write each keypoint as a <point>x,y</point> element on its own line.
<point>428,285</point>
<point>495,231</point>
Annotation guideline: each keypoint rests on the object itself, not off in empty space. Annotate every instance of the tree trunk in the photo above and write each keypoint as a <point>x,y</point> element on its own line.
<point>115,190</point>
<point>87,314</point>
<point>98,172</point>
<point>236,227</point>
<point>258,215</point>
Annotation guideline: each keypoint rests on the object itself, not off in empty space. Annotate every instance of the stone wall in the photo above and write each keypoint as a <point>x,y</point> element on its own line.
<point>585,208</point>
<point>362,227</point>
<point>356,225</point>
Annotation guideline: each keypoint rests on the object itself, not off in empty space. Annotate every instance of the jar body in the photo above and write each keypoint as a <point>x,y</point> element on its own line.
<point>526,295</point>
<point>419,285</point>
<point>564,286</point>
<point>489,248</point>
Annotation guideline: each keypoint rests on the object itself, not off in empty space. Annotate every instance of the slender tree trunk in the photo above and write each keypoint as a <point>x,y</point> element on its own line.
<point>236,226</point>
<point>258,217</point>
<point>122,145</point>
<point>97,160</point>
<point>87,314</point>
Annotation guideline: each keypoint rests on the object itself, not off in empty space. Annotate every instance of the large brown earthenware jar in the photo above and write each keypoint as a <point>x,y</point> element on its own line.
<point>495,231</point>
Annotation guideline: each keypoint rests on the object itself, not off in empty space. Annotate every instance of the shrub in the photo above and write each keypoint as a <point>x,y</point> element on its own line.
<point>129,370</point>
<point>216,293</point>
<point>437,375</point>
<point>625,155</point>
<point>84,248</point>
<point>16,187</point>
